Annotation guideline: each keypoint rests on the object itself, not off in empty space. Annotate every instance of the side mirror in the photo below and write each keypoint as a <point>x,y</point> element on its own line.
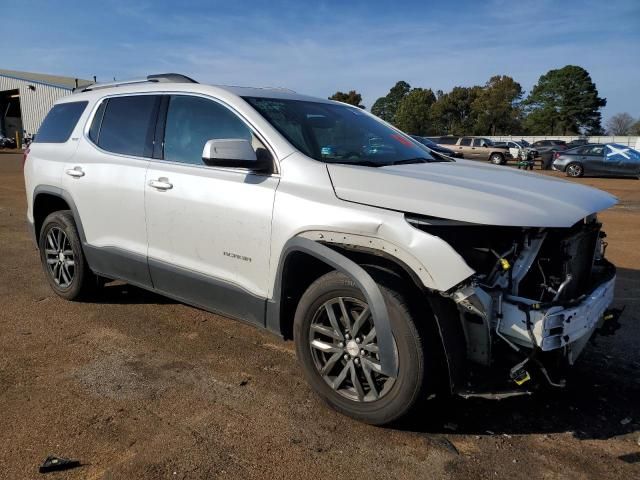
<point>235,153</point>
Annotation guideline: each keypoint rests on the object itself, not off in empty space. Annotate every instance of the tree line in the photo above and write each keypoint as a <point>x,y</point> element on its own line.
<point>564,101</point>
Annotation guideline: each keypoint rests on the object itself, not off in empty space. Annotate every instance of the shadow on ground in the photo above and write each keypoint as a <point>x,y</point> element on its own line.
<point>124,294</point>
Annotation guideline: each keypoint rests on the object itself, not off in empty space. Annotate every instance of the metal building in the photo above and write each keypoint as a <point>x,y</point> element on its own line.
<point>25,99</point>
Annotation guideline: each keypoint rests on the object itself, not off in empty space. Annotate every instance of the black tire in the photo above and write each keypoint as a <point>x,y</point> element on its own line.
<point>83,281</point>
<point>574,169</point>
<point>417,371</point>
<point>497,159</point>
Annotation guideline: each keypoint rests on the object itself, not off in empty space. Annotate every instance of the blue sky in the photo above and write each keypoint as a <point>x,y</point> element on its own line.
<point>320,47</point>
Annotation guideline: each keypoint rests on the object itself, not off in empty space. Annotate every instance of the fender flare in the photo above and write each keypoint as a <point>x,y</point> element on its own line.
<point>370,289</point>
<point>64,195</point>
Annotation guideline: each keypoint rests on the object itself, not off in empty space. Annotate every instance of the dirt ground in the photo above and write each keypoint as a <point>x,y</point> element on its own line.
<point>137,386</point>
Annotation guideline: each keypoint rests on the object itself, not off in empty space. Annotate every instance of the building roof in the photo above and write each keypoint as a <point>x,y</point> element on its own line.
<point>42,78</point>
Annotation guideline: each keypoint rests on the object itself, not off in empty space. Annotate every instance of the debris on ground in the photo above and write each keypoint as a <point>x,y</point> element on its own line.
<point>56,464</point>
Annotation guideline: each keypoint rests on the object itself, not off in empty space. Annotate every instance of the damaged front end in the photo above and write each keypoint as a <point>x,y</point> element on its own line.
<point>536,298</point>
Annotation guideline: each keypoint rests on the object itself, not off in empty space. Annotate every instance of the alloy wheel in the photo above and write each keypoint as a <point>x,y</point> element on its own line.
<point>345,351</point>
<point>60,258</point>
<point>574,170</point>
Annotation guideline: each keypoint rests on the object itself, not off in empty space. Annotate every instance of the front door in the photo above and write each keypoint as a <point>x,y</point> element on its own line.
<point>622,160</point>
<point>209,228</point>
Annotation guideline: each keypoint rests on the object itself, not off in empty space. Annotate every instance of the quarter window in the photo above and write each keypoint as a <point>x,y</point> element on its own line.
<point>128,125</point>
<point>192,121</point>
<point>60,122</point>
<point>94,131</point>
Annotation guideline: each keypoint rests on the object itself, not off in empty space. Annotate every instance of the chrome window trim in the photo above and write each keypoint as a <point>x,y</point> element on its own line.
<point>261,137</point>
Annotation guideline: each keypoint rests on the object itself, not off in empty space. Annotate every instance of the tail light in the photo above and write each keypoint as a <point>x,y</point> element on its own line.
<point>24,157</point>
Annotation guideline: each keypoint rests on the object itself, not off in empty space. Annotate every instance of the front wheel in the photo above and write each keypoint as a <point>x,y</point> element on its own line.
<point>496,159</point>
<point>337,346</point>
<point>574,170</point>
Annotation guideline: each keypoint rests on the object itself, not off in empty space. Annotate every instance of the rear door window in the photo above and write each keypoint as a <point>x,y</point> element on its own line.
<point>60,122</point>
<point>128,125</point>
<point>466,142</point>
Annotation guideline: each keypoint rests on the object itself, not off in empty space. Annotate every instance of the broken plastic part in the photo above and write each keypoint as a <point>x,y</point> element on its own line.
<point>520,377</point>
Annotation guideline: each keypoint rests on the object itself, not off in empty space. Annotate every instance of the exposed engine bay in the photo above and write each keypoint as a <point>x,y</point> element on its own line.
<point>537,296</point>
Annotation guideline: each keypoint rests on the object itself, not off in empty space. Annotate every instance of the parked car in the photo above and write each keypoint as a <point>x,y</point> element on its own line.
<point>394,273</point>
<point>546,149</point>
<point>577,143</point>
<point>476,148</point>
<point>7,142</point>
<point>431,145</point>
<point>598,159</point>
<point>520,149</point>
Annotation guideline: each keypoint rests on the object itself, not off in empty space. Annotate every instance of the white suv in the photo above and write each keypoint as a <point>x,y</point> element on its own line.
<point>395,272</point>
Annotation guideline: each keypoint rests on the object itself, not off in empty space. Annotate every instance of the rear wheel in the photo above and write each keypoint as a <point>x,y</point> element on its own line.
<point>337,346</point>
<point>574,170</point>
<point>62,257</point>
<point>496,158</point>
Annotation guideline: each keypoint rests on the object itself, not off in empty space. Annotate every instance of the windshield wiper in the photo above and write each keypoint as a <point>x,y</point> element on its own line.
<point>409,161</point>
<point>364,163</point>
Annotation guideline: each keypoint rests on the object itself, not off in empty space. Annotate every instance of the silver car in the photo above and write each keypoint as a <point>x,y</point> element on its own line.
<point>598,159</point>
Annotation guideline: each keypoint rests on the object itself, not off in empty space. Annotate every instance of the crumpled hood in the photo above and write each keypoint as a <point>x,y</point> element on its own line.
<point>469,191</point>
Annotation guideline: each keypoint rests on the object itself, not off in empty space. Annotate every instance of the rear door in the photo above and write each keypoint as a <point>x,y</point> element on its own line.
<point>106,179</point>
<point>209,228</point>
<point>465,146</point>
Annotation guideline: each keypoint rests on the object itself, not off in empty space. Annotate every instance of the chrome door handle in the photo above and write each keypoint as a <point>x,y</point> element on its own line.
<point>161,184</point>
<point>75,172</point>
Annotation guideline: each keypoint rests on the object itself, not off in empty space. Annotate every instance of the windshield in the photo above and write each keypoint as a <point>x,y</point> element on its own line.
<point>339,134</point>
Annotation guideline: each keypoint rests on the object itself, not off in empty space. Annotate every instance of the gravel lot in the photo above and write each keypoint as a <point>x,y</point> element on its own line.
<point>138,386</point>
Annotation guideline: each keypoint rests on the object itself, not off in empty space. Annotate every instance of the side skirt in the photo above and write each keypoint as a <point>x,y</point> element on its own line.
<point>192,288</point>
<point>208,293</point>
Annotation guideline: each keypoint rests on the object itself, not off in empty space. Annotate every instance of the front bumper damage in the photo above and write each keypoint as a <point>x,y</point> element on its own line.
<point>555,326</point>
<point>529,312</point>
<point>521,343</point>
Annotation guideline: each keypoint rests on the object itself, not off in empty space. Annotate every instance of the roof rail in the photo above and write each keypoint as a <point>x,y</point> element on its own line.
<point>155,78</point>
<point>170,77</point>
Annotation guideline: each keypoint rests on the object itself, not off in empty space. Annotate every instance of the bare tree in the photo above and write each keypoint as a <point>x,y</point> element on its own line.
<point>620,124</point>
